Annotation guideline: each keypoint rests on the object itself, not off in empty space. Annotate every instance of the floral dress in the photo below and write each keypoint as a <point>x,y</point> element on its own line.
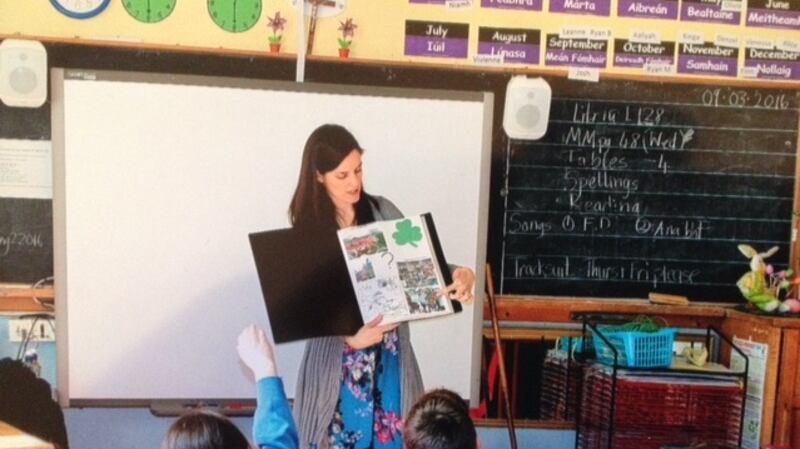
<point>368,412</point>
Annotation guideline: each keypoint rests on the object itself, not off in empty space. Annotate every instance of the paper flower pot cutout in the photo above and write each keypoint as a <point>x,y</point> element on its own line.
<point>276,24</point>
<point>348,30</point>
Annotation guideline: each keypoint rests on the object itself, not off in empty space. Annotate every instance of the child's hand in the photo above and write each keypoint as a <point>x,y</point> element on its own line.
<point>256,352</point>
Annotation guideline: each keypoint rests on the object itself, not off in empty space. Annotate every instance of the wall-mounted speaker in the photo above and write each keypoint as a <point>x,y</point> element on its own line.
<point>527,107</point>
<point>23,73</point>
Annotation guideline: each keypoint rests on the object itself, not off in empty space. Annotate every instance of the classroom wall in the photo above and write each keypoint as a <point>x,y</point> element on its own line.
<point>379,36</point>
<point>380,32</point>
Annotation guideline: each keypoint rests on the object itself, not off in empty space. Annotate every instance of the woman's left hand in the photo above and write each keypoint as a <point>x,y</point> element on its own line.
<point>461,288</point>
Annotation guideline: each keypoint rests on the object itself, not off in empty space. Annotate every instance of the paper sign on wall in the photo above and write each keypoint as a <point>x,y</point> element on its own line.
<point>707,59</point>
<point>757,368</point>
<point>709,11</point>
<point>26,169</point>
<point>648,9</point>
<point>527,5</point>
<point>772,63</point>
<point>638,54</point>
<point>575,52</point>
<point>589,7</point>
<point>515,45</point>
<point>773,14</point>
<point>436,39</point>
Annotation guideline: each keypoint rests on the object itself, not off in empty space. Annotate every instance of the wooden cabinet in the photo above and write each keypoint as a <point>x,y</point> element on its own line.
<point>781,412</point>
<point>531,321</point>
<point>780,419</point>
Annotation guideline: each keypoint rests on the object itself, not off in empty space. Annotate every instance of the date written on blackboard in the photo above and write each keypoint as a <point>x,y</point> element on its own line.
<point>719,96</point>
<point>19,239</point>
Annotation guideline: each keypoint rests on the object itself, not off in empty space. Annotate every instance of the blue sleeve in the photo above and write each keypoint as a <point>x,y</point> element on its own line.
<point>273,426</point>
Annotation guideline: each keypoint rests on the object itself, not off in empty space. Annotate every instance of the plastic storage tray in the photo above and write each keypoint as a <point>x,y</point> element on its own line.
<point>635,349</point>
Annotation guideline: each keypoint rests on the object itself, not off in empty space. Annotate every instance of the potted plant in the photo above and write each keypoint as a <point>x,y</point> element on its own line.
<point>276,24</point>
<point>347,28</point>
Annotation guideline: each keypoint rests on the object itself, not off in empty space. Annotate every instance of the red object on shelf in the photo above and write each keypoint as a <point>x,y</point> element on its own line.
<point>494,365</point>
<point>479,411</point>
<point>649,413</point>
<point>560,383</point>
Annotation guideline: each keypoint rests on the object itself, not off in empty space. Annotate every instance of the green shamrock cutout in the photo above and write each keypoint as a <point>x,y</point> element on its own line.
<point>407,233</point>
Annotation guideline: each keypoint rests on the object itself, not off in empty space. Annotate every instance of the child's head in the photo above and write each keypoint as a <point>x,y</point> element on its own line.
<point>204,429</point>
<point>439,420</point>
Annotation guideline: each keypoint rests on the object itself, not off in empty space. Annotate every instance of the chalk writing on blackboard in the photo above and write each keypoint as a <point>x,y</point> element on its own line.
<point>21,240</point>
<point>26,240</point>
<point>631,191</point>
<point>742,99</point>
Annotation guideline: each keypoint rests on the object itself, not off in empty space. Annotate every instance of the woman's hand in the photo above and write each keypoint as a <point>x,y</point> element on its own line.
<point>370,334</point>
<point>461,288</point>
<point>256,352</point>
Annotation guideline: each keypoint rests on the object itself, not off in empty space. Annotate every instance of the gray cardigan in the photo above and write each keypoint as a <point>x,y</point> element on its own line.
<point>320,376</point>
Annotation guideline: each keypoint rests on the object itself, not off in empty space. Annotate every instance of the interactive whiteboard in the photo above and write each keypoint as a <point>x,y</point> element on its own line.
<point>158,181</point>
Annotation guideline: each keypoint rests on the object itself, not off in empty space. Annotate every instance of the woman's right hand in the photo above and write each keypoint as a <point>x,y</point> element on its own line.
<point>370,334</point>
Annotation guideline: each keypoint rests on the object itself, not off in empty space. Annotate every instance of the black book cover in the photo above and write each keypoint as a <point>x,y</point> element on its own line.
<point>306,286</point>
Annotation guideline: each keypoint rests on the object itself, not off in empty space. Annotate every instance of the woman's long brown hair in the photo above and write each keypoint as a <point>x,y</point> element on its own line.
<point>325,149</point>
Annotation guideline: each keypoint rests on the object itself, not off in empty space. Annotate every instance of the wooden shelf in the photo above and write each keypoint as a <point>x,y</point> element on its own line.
<point>531,334</point>
<point>16,298</point>
<point>560,310</point>
<point>771,320</point>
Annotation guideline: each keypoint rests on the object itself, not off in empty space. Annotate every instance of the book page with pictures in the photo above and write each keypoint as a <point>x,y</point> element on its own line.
<point>394,271</point>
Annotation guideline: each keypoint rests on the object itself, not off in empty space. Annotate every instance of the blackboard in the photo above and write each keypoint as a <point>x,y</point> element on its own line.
<point>26,240</point>
<point>644,187</point>
<point>26,225</point>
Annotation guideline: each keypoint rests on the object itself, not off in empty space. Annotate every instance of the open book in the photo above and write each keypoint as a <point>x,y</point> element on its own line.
<point>397,269</point>
<point>319,283</point>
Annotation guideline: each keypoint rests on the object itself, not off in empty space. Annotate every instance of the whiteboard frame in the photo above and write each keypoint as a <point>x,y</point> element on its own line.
<point>58,77</point>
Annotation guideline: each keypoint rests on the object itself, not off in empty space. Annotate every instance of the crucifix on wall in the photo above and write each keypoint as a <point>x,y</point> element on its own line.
<point>312,26</point>
<point>317,9</point>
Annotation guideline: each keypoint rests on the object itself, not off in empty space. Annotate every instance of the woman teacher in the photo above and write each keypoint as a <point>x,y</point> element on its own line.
<point>352,392</point>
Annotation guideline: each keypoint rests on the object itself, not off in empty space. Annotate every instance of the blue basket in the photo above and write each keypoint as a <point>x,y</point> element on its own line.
<point>636,349</point>
<point>570,344</point>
